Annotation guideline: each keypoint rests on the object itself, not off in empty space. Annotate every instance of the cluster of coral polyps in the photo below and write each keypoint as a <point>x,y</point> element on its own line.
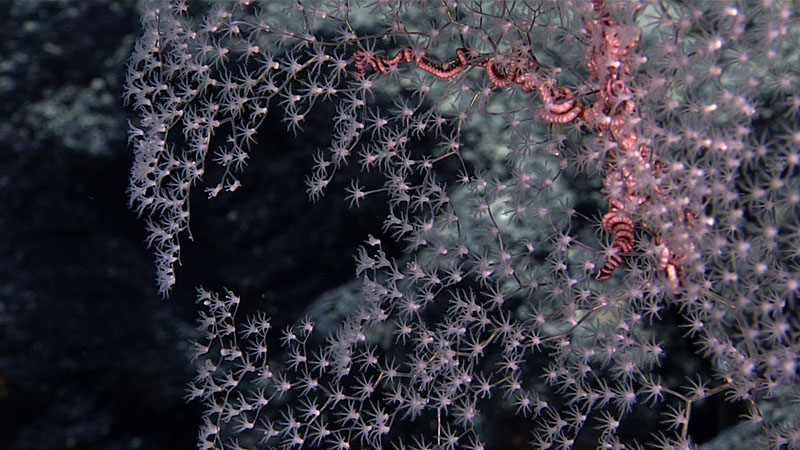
<point>630,164</point>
